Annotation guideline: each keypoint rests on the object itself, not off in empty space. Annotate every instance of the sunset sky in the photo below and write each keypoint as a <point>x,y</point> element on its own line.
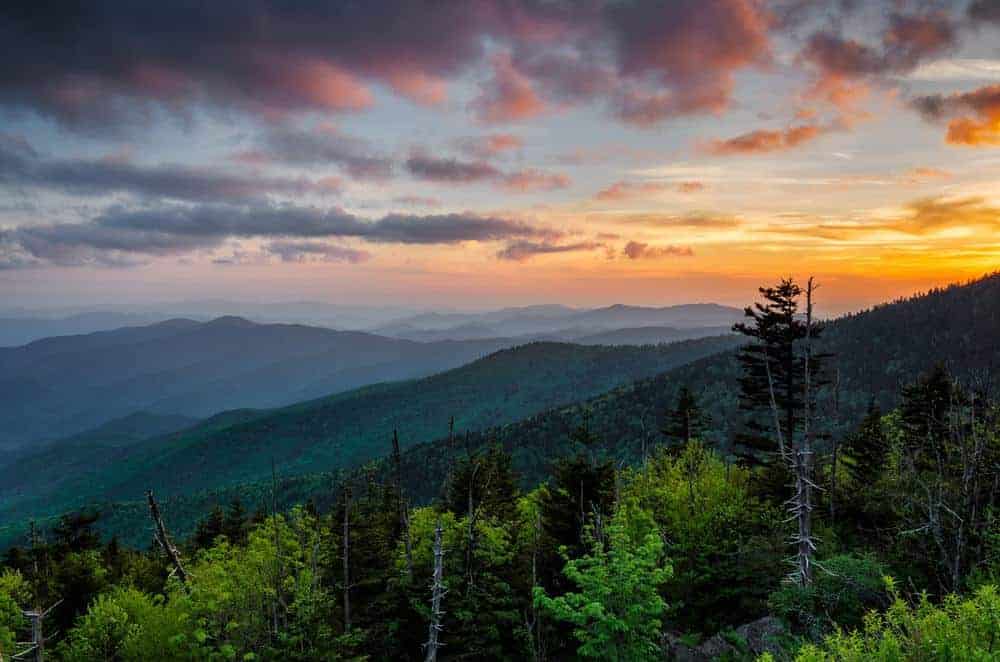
<point>496,152</point>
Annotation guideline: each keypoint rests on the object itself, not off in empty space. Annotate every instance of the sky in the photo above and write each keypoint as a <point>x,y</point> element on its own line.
<point>488,153</point>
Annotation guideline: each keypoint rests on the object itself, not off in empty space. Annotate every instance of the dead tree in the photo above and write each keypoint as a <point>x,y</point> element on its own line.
<point>799,457</point>
<point>800,505</point>
<point>35,649</point>
<point>403,510</point>
<point>532,616</point>
<point>346,557</point>
<point>438,591</point>
<point>163,538</point>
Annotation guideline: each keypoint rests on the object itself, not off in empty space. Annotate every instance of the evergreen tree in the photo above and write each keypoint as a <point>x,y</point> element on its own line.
<point>209,528</point>
<point>685,421</point>
<point>867,449</point>
<point>772,373</point>
<point>235,524</point>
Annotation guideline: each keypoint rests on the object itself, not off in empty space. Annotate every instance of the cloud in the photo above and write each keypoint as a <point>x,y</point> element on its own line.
<point>21,166</point>
<point>322,145</point>
<point>635,250</point>
<point>417,201</point>
<point>306,251</point>
<point>123,234</point>
<point>974,116</point>
<point>456,171</point>
<point>919,218</point>
<point>845,68</point>
<point>691,48</point>
<point>644,61</point>
<point>985,11</point>
<point>690,220</point>
<point>925,174</point>
<point>624,190</point>
<point>531,180</point>
<point>509,96</point>
<point>489,146</point>
<point>521,251</point>
<point>450,170</point>
<point>957,69</point>
<point>763,141</point>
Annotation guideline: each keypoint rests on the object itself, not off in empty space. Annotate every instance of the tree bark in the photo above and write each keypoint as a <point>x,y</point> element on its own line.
<point>163,538</point>
<point>437,594</point>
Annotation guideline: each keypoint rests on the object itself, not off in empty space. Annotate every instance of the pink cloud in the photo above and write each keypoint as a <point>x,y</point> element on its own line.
<point>509,96</point>
<point>635,250</point>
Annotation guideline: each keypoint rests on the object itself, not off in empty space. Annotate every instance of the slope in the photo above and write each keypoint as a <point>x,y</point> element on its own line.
<point>345,430</point>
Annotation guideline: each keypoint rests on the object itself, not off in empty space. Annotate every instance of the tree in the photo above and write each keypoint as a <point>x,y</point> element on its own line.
<point>209,528</point>
<point>616,608</point>
<point>772,374</point>
<point>867,449</point>
<point>781,375</point>
<point>685,421</point>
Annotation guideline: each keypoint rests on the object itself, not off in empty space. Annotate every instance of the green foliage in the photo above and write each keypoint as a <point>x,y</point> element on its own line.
<point>14,595</point>
<point>126,624</point>
<point>844,589</point>
<point>716,536</point>
<point>616,609</point>
<point>957,629</point>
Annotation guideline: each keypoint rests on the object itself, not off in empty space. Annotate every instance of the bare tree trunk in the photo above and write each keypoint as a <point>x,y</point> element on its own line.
<point>438,591</point>
<point>404,513</point>
<point>163,538</point>
<point>533,623</point>
<point>835,444</point>
<point>279,570</point>
<point>802,500</point>
<point>346,557</point>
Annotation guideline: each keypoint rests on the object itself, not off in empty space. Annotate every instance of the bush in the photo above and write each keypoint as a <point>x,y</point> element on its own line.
<point>844,588</point>
<point>957,629</point>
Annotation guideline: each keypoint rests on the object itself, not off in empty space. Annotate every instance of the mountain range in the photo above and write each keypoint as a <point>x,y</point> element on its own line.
<point>64,385</point>
<point>338,432</point>
<point>874,353</point>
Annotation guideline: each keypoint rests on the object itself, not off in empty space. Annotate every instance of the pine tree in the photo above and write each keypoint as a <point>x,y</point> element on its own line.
<point>685,421</point>
<point>209,528</point>
<point>235,524</point>
<point>866,449</point>
<point>771,382</point>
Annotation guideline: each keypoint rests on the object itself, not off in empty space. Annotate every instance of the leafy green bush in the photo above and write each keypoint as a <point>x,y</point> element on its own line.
<point>617,608</point>
<point>844,588</point>
<point>958,629</point>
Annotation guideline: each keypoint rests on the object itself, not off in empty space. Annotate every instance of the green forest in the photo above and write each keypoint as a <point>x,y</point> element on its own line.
<point>824,490</point>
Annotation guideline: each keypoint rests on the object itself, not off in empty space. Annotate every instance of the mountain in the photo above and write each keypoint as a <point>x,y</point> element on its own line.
<point>344,430</point>
<point>15,331</point>
<point>649,335</point>
<point>559,322</point>
<point>60,386</point>
<point>876,352</point>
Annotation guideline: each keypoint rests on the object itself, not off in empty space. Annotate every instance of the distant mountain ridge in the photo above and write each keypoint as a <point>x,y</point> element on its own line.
<point>59,386</point>
<point>559,322</point>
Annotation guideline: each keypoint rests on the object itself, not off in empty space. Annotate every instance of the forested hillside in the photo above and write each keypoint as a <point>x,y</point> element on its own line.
<point>333,433</point>
<point>537,540</point>
<point>64,385</point>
